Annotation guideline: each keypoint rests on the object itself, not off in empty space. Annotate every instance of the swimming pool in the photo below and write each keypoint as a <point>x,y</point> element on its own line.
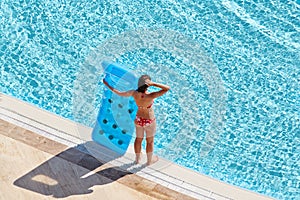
<point>241,70</point>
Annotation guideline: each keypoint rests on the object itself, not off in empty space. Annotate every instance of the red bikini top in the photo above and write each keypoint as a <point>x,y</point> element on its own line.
<point>142,107</point>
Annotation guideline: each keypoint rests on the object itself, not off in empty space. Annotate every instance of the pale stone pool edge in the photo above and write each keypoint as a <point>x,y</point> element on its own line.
<point>164,172</point>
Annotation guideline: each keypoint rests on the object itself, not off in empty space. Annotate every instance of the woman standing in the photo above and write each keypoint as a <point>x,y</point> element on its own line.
<point>145,122</point>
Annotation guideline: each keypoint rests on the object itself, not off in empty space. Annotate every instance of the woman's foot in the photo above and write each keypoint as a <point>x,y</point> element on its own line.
<point>154,159</point>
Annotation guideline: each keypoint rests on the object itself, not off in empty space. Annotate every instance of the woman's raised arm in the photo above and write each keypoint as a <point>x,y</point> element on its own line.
<point>164,89</point>
<point>123,94</point>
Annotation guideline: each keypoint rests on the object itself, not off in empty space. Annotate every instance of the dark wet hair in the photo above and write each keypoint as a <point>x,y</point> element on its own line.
<point>142,87</point>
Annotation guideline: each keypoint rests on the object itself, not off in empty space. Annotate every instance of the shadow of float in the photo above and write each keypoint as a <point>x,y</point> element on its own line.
<point>73,172</point>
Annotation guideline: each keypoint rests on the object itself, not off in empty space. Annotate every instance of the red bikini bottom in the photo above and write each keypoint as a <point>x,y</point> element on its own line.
<point>143,122</point>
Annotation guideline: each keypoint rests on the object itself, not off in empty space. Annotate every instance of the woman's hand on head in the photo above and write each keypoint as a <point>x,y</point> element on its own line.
<point>148,82</point>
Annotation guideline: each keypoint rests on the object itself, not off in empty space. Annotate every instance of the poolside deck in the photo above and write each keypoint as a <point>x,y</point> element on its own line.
<point>34,167</point>
<point>43,157</point>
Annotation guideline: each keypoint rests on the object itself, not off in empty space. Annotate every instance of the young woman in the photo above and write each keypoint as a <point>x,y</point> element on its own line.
<point>145,122</point>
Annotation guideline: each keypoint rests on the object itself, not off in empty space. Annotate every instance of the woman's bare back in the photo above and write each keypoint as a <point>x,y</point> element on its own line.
<point>144,102</point>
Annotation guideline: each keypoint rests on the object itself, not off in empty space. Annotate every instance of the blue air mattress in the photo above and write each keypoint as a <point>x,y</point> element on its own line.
<point>114,125</point>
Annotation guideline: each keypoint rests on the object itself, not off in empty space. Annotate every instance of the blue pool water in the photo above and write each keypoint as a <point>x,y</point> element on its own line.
<point>233,66</point>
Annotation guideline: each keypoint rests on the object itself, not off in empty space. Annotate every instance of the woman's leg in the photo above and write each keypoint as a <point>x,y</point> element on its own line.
<point>150,132</point>
<point>138,142</point>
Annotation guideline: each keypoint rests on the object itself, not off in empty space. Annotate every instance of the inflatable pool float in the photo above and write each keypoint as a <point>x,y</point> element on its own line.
<point>114,125</point>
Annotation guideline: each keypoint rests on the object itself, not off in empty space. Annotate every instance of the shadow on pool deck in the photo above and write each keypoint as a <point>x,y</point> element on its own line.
<point>69,173</point>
